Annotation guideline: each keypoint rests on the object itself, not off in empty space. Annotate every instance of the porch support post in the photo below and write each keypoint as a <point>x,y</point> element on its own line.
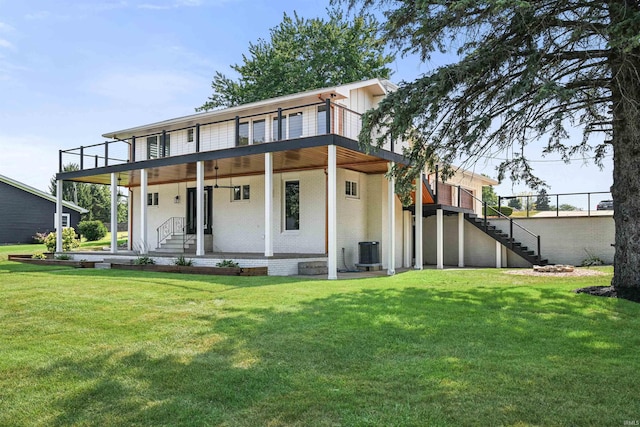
<point>498,254</point>
<point>439,239</point>
<point>143,212</point>
<point>391,187</point>
<point>418,219</point>
<point>114,213</point>
<point>201,208</point>
<point>268,204</point>
<point>332,223</point>
<point>460,239</point>
<point>406,222</point>
<point>59,215</point>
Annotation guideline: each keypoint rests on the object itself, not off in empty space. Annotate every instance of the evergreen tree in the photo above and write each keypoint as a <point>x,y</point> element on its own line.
<point>542,202</point>
<point>523,71</point>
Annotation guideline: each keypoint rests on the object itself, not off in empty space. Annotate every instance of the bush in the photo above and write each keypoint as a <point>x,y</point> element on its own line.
<point>92,230</point>
<point>39,238</point>
<point>38,255</point>
<point>144,260</point>
<point>69,240</point>
<point>182,261</point>
<point>228,263</point>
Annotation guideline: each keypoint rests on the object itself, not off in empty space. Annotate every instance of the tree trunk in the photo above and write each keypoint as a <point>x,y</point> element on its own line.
<point>626,173</point>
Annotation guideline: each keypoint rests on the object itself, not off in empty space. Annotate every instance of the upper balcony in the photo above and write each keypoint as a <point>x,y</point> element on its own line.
<point>196,134</point>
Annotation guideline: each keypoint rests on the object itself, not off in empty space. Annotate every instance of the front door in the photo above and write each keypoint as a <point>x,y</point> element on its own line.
<point>192,210</point>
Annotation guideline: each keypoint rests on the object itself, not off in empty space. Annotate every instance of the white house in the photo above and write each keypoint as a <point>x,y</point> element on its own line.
<point>277,182</point>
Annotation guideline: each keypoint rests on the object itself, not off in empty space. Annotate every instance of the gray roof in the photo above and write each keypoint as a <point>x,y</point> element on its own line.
<point>39,193</point>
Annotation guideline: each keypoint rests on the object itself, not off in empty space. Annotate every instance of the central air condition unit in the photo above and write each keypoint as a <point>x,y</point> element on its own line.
<point>369,252</point>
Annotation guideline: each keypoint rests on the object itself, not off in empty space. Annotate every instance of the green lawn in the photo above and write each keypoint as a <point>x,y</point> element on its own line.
<point>472,347</point>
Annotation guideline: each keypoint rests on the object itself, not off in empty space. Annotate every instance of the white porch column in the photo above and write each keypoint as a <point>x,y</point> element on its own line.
<point>201,208</point>
<point>332,220</point>
<point>439,239</point>
<point>418,218</point>
<point>114,213</point>
<point>460,239</point>
<point>143,212</point>
<point>59,215</point>
<point>406,222</point>
<point>268,204</point>
<point>391,268</point>
<point>498,254</point>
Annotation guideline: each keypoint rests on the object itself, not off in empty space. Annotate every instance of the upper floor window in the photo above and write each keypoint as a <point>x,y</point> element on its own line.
<point>259,132</point>
<point>322,120</point>
<point>295,125</point>
<point>243,134</point>
<point>190,135</point>
<point>154,146</point>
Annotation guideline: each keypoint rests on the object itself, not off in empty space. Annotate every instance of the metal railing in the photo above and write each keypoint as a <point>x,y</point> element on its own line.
<point>270,126</point>
<point>517,232</point>
<point>171,227</point>
<point>573,204</point>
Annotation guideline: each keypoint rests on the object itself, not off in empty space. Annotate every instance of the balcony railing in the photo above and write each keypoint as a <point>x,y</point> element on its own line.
<point>560,204</point>
<point>292,122</point>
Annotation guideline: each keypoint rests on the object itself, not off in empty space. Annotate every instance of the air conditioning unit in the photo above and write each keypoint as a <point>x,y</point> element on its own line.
<point>369,252</point>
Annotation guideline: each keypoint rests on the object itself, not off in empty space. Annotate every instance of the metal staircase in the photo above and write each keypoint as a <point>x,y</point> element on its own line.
<point>507,239</point>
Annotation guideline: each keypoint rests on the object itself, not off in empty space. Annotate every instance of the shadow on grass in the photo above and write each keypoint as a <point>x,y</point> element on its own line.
<point>406,356</point>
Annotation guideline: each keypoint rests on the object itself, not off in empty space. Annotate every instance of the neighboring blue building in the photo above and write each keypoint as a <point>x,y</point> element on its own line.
<point>25,211</point>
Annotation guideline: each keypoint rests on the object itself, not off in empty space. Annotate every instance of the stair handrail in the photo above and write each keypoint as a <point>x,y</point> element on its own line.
<point>503,216</point>
<point>170,227</point>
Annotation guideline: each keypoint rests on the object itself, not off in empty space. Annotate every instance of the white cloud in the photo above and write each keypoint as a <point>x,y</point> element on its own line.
<point>6,44</point>
<point>5,28</point>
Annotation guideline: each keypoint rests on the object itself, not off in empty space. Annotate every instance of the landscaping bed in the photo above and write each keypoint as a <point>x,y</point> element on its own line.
<point>220,271</point>
<point>51,261</point>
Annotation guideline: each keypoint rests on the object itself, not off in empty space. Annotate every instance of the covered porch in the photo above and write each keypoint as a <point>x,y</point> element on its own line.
<point>325,154</point>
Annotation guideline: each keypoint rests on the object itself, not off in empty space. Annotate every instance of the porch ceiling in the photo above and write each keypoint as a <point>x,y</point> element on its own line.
<point>241,161</point>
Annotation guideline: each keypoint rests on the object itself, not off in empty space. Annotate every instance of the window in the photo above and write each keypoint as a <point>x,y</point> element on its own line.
<point>259,130</point>
<point>292,205</point>
<point>351,189</point>
<point>243,134</point>
<point>152,199</point>
<point>275,128</point>
<point>190,135</point>
<point>66,222</point>
<point>322,120</point>
<point>154,146</point>
<point>295,125</point>
<point>241,192</point>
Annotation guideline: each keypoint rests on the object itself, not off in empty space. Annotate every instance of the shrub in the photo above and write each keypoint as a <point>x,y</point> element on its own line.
<point>591,260</point>
<point>38,255</point>
<point>144,260</point>
<point>227,263</point>
<point>183,261</point>
<point>63,257</point>
<point>92,230</point>
<point>39,238</point>
<point>69,240</point>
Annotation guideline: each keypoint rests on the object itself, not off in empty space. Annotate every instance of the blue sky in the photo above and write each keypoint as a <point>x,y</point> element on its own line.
<point>73,70</point>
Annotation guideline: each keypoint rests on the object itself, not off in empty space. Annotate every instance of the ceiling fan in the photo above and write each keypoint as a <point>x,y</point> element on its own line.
<point>223,186</point>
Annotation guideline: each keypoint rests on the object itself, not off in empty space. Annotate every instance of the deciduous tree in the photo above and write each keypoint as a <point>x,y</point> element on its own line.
<point>304,54</point>
<point>523,71</point>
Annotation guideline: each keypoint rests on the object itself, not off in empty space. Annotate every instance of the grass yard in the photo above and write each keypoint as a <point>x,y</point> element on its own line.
<point>471,347</point>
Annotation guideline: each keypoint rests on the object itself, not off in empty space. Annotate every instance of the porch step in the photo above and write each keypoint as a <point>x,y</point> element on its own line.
<point>312,268</point>
<point>176,243</point>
